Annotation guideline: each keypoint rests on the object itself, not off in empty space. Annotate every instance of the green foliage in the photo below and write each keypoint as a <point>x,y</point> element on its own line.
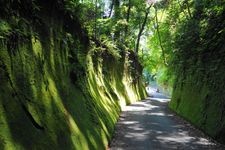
<point>194,45</point>
<point>61,88</point>
<point>157,54</point>
<point>121,27</point>
<point>5,29</point>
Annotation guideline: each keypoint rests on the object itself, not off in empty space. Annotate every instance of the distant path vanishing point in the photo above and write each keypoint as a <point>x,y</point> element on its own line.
<point>150,125</point>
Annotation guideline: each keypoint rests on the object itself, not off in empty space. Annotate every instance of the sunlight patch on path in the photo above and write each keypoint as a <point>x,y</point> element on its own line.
<point>149,125</point>
<point>139,106</point>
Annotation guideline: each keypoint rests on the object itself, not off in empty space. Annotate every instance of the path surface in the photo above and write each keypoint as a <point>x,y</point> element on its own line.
<point>150,125</point>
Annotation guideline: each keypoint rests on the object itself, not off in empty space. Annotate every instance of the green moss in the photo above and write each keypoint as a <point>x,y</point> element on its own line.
<point>5,29</point>
<point>54,95</point>
<point>199,101</point>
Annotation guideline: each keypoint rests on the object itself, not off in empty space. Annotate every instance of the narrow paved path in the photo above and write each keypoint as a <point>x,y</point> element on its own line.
<point>150,125</point>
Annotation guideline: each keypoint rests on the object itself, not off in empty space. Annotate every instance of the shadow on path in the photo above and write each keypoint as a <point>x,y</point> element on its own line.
<point>150,125</point>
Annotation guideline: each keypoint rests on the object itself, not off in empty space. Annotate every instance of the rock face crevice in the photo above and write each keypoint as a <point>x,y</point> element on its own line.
<point>59,90</point>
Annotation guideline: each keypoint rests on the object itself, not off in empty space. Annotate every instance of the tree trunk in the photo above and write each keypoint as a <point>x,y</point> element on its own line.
<point>160,41</point>
<point>127,18</point>
<point>95,25</point>
<point>111,9</point>
<point>116,18</point>
<point>142,29</point>
<point>188,7</point>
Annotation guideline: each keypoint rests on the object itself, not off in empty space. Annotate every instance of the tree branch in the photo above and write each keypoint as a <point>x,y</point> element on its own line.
<point>128,17</point>
<point>142,29</point>
<point>159,36</point>
<point>111,9</point>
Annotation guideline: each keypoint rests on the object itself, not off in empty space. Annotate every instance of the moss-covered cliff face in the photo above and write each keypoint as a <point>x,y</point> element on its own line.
<point>199,65</point>
<point>59,90</point>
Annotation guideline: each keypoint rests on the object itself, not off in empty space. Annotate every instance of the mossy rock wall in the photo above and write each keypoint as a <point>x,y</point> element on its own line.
<point>198,93</point>
<point>56,91</point>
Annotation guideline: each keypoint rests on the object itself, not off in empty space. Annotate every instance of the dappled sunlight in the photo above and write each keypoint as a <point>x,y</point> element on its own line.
<point>203,141</point>
<point>108,98</point>
<point>158,114</point>
<point>76,134</point>
<point>140,136</point>
<point>149,125</point>
<point>129,122</point>
<point>69,67</point>
<point>36,47</point>
<point>139,106</point>
<point>175,138</point>
<point>183,138</point>
<point>52,50</point>
<point>163,100</point>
